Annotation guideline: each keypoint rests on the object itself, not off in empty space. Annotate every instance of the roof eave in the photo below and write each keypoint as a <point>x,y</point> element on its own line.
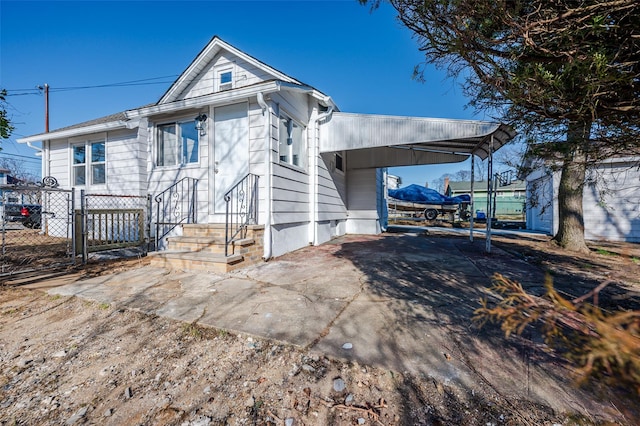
<point>79,131</point>
<point>206,100</point>
<point>502,134</point>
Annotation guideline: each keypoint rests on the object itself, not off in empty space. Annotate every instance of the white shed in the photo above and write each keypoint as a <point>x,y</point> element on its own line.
<point>611,200</point>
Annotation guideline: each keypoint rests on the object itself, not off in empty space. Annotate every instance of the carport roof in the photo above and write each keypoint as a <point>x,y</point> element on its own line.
<point>346,131</point>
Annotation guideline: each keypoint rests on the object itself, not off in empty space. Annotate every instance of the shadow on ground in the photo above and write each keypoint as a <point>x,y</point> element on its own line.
<point>430,288</point>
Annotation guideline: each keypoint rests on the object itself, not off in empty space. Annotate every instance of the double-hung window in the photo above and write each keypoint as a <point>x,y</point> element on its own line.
<point>89,163</point>
<point>177,144</point>
<point>292,147</point>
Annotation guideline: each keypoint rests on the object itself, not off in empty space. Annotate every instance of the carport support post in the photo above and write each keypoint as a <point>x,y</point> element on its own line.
<point>489,195</point>
<point>471,200</point>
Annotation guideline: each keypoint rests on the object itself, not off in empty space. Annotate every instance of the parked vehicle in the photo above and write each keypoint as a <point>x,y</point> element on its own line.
<point>30,215</point>
<point>428,203</point>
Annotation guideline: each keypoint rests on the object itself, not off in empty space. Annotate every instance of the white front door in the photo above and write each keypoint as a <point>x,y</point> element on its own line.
<point>230,160</point>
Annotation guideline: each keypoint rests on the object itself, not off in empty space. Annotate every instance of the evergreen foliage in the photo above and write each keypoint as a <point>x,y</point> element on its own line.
<point>602,344</point>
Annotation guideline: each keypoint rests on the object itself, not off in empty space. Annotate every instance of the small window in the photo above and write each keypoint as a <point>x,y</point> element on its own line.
<point>79,165</point>
<point>339,165</point>
<point>89,163</point>
<point>177,144</point>
<point>225,79</point>
<point>98,169</point>
<point>292,148</point>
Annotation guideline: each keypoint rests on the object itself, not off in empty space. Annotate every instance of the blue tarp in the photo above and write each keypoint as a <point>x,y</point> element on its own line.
<point>420,194</point>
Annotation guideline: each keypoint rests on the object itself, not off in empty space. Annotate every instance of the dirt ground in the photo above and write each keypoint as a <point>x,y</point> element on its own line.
<point>64,360</point>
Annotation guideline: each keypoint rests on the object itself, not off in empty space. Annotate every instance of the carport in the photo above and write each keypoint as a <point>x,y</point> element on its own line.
<point>378,141</point>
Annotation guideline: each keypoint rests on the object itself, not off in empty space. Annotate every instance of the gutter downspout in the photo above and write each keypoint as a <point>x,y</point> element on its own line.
<point>44,164</point>
<point>267,176</point>
<point>34,147</point>
<point>314,172</point>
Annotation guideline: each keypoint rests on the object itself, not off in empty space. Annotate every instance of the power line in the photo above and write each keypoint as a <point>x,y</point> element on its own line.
<point>142,82</point>
<point>26,157</point>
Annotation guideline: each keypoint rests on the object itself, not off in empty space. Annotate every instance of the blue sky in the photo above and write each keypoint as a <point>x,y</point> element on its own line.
<point>363,60</point>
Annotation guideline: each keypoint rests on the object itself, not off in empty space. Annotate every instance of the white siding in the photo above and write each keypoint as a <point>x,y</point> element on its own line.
<point>362,202</point>
<point>611,204</point>
<point>258,129</point>
<point>290,195</point>
<point>59,162</point>
<point>126,159</point>
<point>244,74</point>
<point>332,190</point>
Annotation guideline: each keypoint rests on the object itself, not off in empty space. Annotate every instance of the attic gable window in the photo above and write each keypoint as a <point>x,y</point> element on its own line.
<point>225,80</point>
<point>177,144</point>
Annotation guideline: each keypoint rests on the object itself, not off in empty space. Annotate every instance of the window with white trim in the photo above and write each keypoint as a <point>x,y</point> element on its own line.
<point>292,148</point>
<point>177,144</point>
<point>89,163</point>
<point>224,78</point>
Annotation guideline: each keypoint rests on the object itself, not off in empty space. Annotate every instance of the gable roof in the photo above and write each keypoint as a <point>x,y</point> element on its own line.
<point>206,55</point>
<point>118,116</point>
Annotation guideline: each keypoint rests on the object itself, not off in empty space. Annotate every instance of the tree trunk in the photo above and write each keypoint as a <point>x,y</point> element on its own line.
<point>570,214</point>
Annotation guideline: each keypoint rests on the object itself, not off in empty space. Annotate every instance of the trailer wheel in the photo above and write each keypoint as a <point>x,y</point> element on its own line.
<point>430,214</point>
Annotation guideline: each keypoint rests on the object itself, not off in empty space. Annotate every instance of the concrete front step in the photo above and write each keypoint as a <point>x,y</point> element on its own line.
<point>201,247</point>
<point>214,230</point>
<point>205,244</point>
<point>203,261</point>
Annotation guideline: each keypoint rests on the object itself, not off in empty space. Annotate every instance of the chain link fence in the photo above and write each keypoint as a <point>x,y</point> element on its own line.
<point>47,228</point>
<point>37,228</point>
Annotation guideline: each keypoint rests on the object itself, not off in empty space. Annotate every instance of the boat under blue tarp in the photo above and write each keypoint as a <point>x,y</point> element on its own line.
<point>420,194</point>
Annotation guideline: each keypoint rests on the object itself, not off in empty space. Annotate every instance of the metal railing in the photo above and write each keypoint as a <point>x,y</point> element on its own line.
<point>241,209</point>
<point>175,205</point>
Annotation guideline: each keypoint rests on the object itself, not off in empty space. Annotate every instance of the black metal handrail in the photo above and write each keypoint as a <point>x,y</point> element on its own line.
<point>241,210</point>
<point>175,205</point>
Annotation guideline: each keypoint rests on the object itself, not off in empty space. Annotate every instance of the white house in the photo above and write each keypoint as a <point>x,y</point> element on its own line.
<point>319,169</point>
<point>611,200</point>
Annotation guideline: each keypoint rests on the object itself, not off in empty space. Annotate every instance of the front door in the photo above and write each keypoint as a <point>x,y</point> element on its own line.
<point>230,152</point>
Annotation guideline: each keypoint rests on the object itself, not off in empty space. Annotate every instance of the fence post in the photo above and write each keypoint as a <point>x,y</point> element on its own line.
<point>72,212</point>
<point>83,218</point>
<point>148,224</point>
